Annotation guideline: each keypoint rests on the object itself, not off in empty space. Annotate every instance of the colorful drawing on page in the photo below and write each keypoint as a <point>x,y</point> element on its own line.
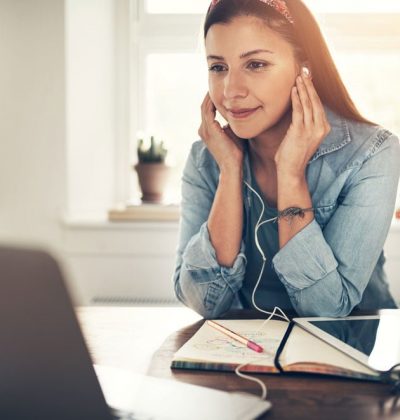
<point>227,346</point>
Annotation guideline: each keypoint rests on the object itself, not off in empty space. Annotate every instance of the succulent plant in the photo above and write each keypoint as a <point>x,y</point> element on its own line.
<point>156,153</point>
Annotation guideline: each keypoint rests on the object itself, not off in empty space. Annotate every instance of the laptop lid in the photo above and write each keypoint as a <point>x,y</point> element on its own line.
<point>45,368</point>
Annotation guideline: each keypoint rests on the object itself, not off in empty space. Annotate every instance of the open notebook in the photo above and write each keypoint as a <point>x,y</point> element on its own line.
<point>285,350</point>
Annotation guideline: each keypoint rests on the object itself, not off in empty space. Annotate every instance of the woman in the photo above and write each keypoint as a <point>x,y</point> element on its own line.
<point>295,150</point>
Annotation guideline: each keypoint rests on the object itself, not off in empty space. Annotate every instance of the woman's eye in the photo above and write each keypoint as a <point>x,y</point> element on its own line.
<point>257,65</point>
<point>254,65</point>
<point>216,68</point>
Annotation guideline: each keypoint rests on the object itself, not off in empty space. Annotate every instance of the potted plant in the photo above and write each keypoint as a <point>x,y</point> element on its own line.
<point>152,170</point>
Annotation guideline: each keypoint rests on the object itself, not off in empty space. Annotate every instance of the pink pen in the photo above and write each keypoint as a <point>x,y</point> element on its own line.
<point>250,344</point>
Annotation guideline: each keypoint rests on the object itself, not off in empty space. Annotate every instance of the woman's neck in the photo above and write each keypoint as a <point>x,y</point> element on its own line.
<point>263,147</point>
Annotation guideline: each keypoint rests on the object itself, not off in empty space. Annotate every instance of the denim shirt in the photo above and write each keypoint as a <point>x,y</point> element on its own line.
<point>335,263</point>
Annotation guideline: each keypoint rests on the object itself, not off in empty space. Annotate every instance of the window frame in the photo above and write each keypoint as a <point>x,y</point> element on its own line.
<point>151,33</point>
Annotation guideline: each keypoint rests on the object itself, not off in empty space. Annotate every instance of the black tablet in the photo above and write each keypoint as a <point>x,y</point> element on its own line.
<point>372,340</point>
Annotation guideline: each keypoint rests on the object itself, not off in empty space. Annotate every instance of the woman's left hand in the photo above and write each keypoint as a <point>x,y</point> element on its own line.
<point>306,132</point>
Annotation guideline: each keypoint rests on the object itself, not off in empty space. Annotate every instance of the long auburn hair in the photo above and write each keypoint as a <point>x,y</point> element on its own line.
<point>307,40</point>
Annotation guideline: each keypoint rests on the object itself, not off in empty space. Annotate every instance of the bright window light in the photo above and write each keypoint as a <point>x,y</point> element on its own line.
<point>172,106</point>
<point>317,6</point>
<point>177,6</point>
<point>174,80</point>
<point>354,6</point>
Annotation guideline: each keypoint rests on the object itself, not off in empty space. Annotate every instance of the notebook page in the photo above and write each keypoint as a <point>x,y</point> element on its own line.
<point>303,347</point>
<point>212,346</point>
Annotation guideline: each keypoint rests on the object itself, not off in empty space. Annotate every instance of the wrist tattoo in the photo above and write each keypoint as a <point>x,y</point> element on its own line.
<point>289,213</point>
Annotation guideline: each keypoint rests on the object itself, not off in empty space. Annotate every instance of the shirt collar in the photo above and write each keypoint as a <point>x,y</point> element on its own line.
<point>338,137</point>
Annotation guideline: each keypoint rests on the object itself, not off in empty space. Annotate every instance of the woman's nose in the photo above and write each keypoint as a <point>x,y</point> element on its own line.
<point>234,85</point>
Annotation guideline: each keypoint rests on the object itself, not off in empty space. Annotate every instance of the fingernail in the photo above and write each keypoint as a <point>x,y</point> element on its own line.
<point>306,71</point>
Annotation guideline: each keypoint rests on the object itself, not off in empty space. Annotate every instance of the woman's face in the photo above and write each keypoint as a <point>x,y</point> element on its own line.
<point>261,81</point>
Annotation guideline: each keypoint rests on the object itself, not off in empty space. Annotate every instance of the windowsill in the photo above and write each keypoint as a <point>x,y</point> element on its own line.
<point>146,215</point>
<point>143,216</point>
<point>145,212</point>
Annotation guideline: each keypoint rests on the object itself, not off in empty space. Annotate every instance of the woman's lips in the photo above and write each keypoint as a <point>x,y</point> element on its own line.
<point>241,115</point>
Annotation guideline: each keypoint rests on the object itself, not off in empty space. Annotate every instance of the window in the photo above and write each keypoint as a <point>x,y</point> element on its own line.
<point>170,72</point>
<point>178,95</point>
<point>176,6</point>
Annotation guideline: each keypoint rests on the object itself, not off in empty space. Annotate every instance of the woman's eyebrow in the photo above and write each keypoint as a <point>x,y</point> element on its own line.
<point>243,55</point>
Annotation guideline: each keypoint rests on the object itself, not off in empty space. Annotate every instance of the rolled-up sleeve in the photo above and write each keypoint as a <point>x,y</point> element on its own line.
<point>199,281</point>
<point>325,272</point>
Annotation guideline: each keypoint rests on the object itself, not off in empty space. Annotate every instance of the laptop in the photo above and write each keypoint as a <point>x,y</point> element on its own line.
<point>45,368</point>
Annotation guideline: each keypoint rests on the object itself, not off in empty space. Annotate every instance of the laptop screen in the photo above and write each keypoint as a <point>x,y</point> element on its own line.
<point>45,368</point>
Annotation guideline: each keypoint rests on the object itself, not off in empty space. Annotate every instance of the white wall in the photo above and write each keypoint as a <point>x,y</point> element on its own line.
<point>32,121</point>
<point>90,112</point>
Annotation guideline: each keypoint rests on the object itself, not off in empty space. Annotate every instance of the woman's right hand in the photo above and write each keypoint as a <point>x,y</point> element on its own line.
<point>223,144</point>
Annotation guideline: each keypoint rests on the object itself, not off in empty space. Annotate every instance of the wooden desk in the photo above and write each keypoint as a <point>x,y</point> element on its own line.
<point>144,340</point>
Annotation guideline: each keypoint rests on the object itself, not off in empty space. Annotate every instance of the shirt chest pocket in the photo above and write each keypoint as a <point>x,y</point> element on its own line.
<point>323,214</point>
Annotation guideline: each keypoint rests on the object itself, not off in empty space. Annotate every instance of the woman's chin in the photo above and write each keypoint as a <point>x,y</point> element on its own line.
<point>243,132</point>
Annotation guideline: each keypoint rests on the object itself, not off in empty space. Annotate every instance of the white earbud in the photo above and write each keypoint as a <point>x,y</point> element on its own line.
<point>306,71</point>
